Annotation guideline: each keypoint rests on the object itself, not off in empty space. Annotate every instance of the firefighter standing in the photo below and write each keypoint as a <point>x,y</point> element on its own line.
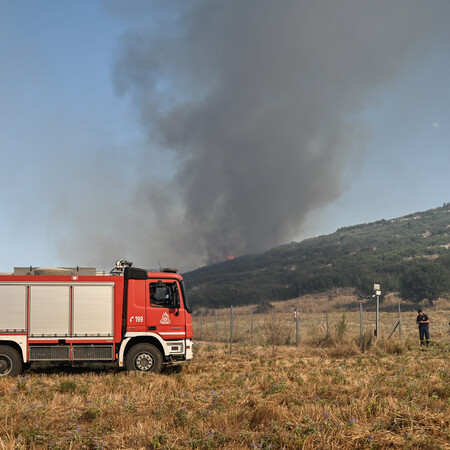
<point>424,332</point>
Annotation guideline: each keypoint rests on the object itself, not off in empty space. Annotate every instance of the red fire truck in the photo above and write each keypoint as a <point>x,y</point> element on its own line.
<point>137,318</point>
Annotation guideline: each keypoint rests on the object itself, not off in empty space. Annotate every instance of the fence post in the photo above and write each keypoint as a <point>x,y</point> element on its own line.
<point>400,322</point>
<point>297,334</point>
<point>272,332</point>
<point>217,329</point>
<point>251,329</point>
<point>361,326</point>
<point>328,330</point>
<point>201,325</point>
<point>231,330</point>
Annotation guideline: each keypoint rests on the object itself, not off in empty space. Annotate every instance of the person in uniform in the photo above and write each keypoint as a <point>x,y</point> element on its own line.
<point>424,331</point>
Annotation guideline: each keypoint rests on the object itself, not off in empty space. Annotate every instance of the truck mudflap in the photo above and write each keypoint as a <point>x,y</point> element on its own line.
<point>189,349</point>
<point>173,350</point>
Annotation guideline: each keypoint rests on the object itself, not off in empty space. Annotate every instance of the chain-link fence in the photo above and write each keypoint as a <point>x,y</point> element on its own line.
<point>296,327</point>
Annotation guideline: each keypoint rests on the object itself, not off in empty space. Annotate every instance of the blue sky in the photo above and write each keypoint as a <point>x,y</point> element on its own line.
<point>58,109</point>
<point>408,158</point>
<point>75,154</point>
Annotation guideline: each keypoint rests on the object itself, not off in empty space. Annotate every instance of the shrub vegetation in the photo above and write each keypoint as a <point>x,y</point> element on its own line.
<point>394,253</point>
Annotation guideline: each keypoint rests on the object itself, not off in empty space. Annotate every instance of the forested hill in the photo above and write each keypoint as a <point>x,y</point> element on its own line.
<point>399,254</point>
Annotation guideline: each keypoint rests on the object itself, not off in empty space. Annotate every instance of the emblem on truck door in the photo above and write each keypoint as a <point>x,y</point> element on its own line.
<point>165,320</point>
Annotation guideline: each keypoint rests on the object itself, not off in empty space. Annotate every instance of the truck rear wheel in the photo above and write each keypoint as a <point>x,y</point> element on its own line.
<point>145,358</point>
<point>10,362</point>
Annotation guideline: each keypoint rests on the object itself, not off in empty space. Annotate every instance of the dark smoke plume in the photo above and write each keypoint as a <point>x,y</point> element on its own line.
<point>250,111</point>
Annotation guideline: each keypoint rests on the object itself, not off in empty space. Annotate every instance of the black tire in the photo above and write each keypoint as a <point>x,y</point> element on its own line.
<point>144,358</point>
<point>10,362</point>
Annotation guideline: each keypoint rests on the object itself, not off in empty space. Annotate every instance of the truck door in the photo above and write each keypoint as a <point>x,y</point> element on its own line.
<point>137,310</point>
<point>166,314</point>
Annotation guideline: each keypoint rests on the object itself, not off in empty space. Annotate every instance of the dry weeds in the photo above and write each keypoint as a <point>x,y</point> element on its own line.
<point>327,393</point>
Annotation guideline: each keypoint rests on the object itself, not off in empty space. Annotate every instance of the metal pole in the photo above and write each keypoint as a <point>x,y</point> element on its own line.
<point>400,322</point>
<point>393,329</point>
<point>231,330</point>
<point>376,319</point>
<point>361,327</point>
<point>328,330</point>
<point>297,331</point>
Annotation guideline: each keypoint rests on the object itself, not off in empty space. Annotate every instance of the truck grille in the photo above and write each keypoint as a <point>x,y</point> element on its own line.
<point>44,353</point>
<point>79,352</point>
<point>92,352</point>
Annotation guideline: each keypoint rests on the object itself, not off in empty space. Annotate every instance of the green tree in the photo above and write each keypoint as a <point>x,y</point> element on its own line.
<point>424,281</point>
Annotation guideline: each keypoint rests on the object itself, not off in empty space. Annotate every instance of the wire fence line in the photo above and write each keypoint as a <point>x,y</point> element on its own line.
<point>295,327</point>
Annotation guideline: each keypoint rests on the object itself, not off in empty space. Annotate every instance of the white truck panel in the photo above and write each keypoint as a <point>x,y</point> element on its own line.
<point>93,310</point>
<point>13,305</point>
<point>49,310</point>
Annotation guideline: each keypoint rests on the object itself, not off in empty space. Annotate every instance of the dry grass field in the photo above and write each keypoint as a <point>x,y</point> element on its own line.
<point>325,393</point>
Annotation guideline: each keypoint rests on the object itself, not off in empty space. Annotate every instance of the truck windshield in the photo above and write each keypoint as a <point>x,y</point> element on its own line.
<point>187,306</point>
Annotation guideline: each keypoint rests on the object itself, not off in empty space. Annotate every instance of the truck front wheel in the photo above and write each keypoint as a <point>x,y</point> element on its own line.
<point>145,358</point>
<point>10,362</point>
